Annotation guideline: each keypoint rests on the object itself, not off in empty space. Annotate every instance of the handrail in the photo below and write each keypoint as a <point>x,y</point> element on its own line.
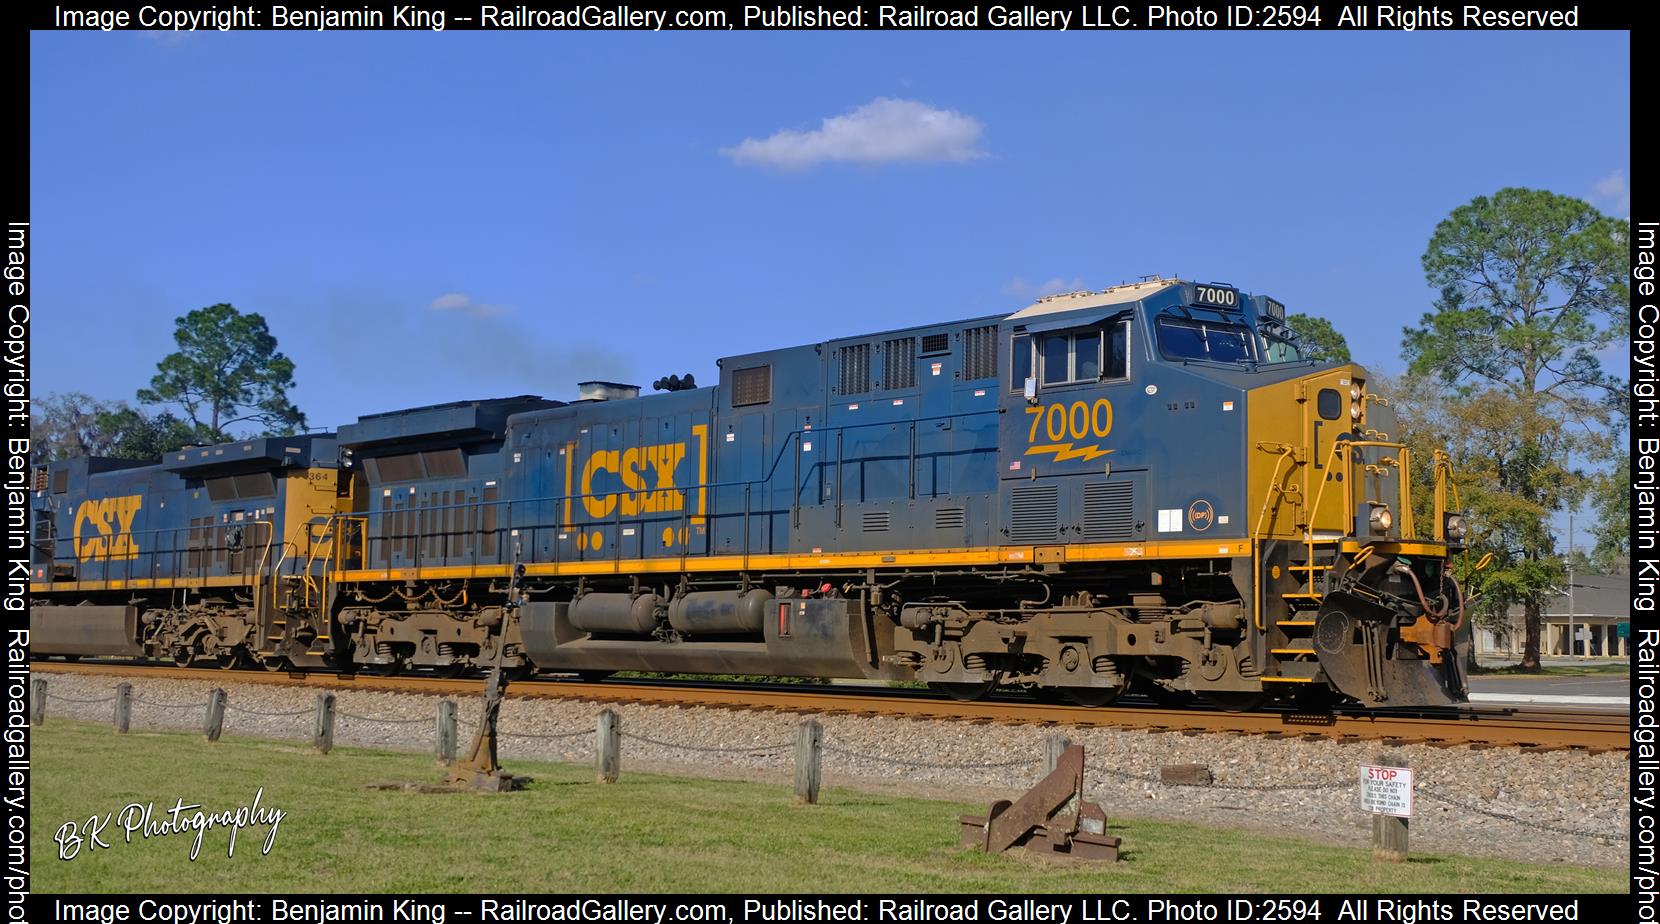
<point>1286,451</point>
<point>791,439</point>
<point>173,549</point>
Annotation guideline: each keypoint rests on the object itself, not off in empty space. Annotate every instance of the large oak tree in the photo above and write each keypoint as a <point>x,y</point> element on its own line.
<point>1533,285</point>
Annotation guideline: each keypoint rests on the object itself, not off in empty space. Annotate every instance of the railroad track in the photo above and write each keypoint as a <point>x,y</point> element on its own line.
<point>1474,726</point>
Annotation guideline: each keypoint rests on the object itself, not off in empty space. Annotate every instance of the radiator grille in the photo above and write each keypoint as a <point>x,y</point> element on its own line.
<point>899,363</point>
<point>950,518</point>
<point>1034,514</point>
<point>980,353</point>
<point>853,367</point>
<point>1109,511</point>
<point>877,521</point>
<point>752,386</point>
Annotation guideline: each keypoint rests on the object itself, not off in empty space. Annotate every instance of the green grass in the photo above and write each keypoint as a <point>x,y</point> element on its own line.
<point>643,834</point>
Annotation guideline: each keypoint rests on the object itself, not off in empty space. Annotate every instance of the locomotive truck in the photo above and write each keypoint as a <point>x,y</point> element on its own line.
<point>1146,485</point>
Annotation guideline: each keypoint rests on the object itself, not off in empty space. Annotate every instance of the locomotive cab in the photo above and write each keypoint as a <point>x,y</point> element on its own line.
<point>1125,415</point>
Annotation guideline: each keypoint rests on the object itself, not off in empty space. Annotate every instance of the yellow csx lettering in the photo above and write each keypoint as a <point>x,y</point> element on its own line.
<point>106,539</point>
<point>631,466</point>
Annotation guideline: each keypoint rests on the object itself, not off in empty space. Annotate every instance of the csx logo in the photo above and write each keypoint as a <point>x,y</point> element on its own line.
<point>647,477</point>
<point>103,528</point>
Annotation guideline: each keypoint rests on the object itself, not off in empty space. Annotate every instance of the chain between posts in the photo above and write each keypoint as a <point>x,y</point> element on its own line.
<point>1426,793</point>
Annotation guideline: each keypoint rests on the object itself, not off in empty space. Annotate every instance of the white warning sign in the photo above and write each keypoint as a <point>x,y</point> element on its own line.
<point>1386,790</point>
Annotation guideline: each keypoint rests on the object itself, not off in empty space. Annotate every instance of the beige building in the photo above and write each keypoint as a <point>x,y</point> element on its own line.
<point>1600,604</point>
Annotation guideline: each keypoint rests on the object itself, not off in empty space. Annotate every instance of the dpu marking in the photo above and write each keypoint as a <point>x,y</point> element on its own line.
<point>112,541</point>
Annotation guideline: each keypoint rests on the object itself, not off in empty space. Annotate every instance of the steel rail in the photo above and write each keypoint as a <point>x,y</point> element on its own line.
<point>1478,726</point>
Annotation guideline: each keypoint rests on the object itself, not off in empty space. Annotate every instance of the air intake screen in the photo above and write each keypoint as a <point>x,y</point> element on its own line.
<point>1034,514</point>
<point>853,367</point>
<point>936,343</point>
<point>877,521</point>
<point>752,386</point>
<point>1109,511</point>
<point>980,353</point>
<point>899,363</point>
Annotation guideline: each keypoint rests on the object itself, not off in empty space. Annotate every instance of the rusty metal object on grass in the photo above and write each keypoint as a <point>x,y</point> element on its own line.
<point>1051,818</point>
<point>481,770</point>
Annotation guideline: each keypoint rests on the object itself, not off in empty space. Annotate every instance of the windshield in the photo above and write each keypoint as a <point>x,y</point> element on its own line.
<point>1214,341</point>
<point>1278,348</point>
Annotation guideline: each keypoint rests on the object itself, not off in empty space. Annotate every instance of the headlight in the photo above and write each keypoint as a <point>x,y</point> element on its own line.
<point>1381,519</point>
<point>1354,391</point>
<point>1456,528</point>
<point>1354,410</point>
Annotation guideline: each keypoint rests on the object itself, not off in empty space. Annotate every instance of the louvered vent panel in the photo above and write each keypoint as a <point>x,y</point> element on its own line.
<point>899,363</point>
<point>980,353</point>
<point>936,343</point>
<point>1034,515</point>
<point>1109,511</point>
<point>854,369</point>
<point>950,518</point>
<point>878,521</point>
<point>752,386</point>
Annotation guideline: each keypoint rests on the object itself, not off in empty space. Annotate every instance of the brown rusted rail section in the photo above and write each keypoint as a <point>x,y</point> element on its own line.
<point>1540,729</point>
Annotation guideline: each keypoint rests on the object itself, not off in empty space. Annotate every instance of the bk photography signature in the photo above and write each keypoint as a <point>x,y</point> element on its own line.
<point>142,820</point>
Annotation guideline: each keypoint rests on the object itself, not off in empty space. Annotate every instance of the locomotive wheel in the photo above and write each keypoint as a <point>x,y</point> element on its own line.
<point>274,663</point>
<point>228,660</point>
<point>594,676</point>
<point>182,657</point>
<point>520,672</point>
<point>965,692</point>
<point>1235,702</point>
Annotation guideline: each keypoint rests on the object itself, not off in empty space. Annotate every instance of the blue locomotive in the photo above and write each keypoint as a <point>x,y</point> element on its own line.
<point>1146,485</point>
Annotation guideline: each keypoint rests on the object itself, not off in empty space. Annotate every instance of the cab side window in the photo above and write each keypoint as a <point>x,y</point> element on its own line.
<point>1093,355</point>
<point>1020,362</point>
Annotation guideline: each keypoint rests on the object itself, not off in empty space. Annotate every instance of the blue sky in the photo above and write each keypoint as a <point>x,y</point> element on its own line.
<point>424,217</point>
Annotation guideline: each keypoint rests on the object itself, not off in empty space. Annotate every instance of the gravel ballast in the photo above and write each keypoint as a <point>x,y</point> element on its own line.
<point>1572,806</point>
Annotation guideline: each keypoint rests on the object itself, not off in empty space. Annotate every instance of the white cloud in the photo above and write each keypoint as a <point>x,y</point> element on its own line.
<point>1018,287</point>
<point>1614,192</point>
<point>457,301</point>
<point>881,131</point>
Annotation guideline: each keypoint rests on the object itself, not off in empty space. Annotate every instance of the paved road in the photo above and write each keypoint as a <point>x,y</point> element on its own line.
<point>1607,689</point>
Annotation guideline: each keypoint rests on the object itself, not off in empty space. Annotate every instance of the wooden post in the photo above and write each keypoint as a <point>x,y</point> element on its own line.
<point>215,722</point>
<point>1389,831</point>
<point>809,751</point>
<point>123,707</point>
<point>608,748</point>
<point>1054,745</point>
<point>322,730</point>
<point>37,702</point>
<point>446,732</point>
